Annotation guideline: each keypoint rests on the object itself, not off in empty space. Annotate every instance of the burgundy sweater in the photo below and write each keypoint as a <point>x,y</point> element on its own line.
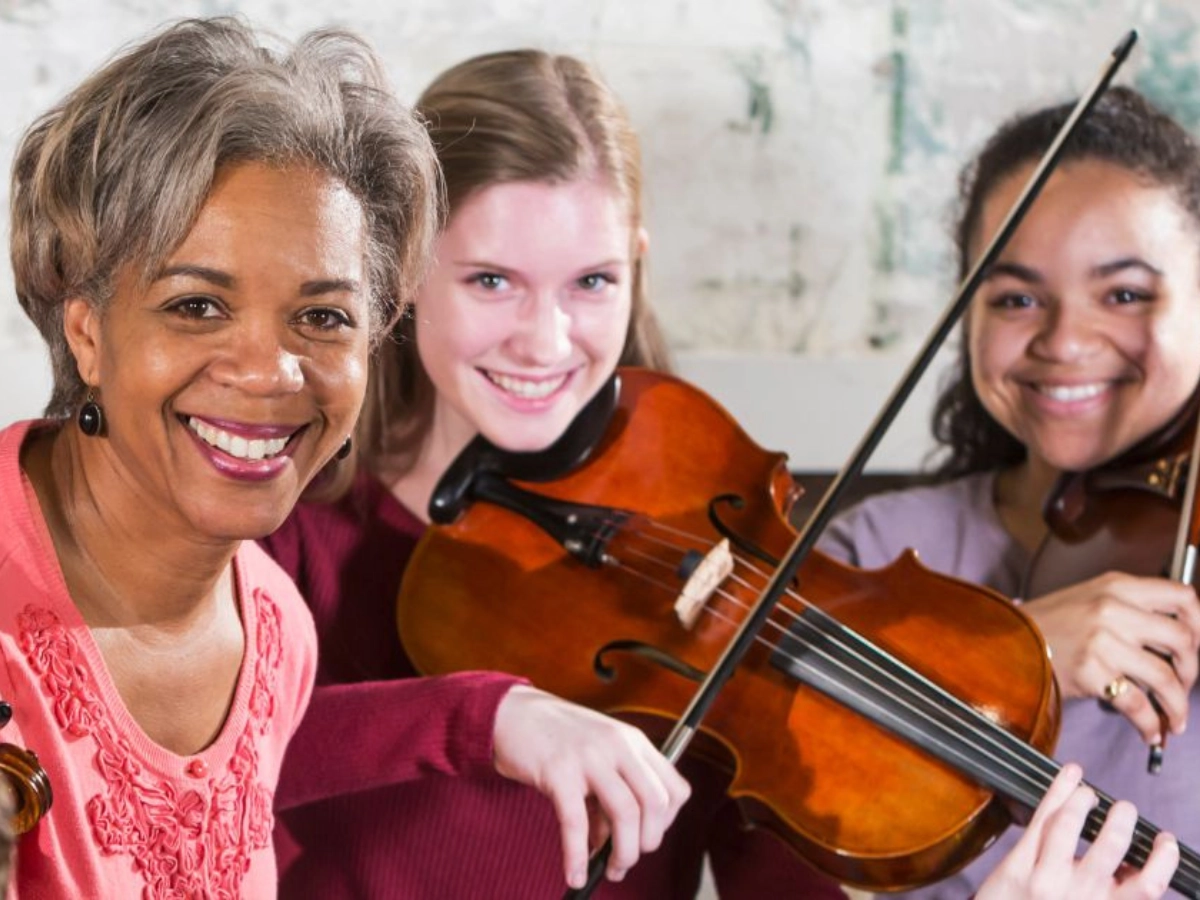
<point>388,789</point>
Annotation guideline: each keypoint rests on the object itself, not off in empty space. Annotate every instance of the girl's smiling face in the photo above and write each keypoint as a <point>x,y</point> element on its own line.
<point>1085,335</point>
<point>231,377</point>
<point>524,314</point>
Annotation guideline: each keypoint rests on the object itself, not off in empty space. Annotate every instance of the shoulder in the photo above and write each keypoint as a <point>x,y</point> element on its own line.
<point>12,489</point>
<point>875,531</point>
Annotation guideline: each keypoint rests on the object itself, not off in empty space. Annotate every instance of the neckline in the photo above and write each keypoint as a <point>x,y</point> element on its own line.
<point>30,521</point>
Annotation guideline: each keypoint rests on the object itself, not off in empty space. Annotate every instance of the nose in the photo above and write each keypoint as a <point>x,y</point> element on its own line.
<point>542,337</point>
<point>1068,333</point>
<point>257,360</point>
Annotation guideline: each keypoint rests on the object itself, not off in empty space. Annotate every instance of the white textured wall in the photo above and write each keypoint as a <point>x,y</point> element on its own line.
<point>800,158</point>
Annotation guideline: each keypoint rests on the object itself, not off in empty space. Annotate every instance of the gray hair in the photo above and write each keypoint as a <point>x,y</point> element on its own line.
<point>117,172</point>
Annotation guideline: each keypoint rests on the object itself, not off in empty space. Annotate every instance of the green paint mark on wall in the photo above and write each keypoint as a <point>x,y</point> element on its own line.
<point>1170,76</point>
<point>899,88</point>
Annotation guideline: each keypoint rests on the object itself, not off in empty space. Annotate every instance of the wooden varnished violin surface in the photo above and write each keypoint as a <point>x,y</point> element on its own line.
<point>617,580</point>
<point>1134,514</point>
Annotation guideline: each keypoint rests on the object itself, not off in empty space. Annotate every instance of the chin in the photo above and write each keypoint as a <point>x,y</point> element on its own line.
<point>247,521</point>
<point>1078,462</point>
<point>526,437</point>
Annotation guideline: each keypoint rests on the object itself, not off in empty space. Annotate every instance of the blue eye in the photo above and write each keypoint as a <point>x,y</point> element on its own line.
<point>596,281</point>
<point>490,281</point>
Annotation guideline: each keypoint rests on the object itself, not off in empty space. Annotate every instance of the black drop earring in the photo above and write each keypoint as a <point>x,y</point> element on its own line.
<point>344,450</point>
<point>91,416</point>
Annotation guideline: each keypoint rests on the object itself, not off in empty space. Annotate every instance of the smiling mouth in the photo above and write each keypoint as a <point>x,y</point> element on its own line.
<point>253,449</point>
<point>1071,393</point>
<point>527,388</point>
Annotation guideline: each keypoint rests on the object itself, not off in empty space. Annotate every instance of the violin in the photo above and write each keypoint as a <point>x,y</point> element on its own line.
<point>24,781</point>
<point>642,538</point>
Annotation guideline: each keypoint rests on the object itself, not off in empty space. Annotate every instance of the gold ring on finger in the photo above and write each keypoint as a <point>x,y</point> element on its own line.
<point>1116,688</point>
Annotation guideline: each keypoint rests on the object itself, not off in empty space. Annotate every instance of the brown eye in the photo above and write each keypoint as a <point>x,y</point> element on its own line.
<point>325,318</point>
<point>1127,296</point>
<point>1013,300</point>
<point>196,307</point>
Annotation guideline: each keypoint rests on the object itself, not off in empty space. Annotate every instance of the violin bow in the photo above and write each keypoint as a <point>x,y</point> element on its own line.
<point>686,726</point>
<point>1183,570</point>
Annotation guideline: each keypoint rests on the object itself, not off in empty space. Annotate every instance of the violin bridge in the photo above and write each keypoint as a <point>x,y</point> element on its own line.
<point>704,576</point>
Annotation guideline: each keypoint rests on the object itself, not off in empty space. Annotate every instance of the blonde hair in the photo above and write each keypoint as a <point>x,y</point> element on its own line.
<point>117,172</point>
<point>521,115</point>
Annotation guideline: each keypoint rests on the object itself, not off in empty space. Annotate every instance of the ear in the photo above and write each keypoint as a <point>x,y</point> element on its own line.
<point>642,243</point>
<point>81,326</point>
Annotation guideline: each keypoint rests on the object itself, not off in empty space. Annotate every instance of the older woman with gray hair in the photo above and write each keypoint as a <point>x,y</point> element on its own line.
<point>209,234</point>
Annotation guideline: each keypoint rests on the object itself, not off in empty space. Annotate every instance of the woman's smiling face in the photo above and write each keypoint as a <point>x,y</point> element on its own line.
<point>525,312</point>
<point>1085,335</point>
<point>231,377</point>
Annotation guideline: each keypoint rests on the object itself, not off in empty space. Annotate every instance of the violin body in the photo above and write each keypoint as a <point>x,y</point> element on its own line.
<point>495,591</point>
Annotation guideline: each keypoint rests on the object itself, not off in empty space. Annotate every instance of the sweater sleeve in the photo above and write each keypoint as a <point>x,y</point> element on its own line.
<point>367,735</point>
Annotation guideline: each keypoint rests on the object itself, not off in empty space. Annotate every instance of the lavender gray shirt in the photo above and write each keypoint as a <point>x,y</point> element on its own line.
<point>955,530</point>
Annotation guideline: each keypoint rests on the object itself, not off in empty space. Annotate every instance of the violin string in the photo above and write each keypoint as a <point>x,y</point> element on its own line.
<point>1143,842</point>
<point>797,619</point>
<point>1143,832</point>
<point>1026,757</point>
<point>838,643</point>
<point>1035,768</point>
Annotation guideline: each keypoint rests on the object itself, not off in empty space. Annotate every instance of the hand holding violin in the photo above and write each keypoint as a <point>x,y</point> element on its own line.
<point>1042,865</point>
<point>574,755</point>
<point>1118,636</point>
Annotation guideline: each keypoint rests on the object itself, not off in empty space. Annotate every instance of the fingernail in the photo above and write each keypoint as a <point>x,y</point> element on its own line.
<point>577,879</point>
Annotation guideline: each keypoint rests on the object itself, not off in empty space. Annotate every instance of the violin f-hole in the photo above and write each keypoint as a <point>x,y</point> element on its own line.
<point>647,651</point>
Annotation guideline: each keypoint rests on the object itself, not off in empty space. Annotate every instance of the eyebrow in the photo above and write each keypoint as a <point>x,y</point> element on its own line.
<point>225,280</point>
<point>1129,262</point>
<point>1014,270</point>
<point>1104,270</point>
<point>212,276</point>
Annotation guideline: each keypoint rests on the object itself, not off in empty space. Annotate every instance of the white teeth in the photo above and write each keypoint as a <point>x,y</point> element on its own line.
<point>234,445</point>
<point>1067,393</point>
<point>522,387</point>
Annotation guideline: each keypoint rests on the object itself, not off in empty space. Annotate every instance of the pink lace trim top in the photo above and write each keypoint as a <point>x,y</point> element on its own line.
<point>131,819</point>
